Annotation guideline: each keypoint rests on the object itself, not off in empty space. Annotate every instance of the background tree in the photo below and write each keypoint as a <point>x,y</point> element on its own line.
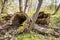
<point>56,9</point>
<point>4,6</point>
<point>26,5</point>
<point>20,5</point>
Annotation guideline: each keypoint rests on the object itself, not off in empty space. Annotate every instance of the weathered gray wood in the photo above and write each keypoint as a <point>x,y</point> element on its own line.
<point>34,18</point>
<point>49,31</point>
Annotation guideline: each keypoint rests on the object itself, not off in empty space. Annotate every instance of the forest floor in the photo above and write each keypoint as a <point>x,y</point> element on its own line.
<point>32,35</point>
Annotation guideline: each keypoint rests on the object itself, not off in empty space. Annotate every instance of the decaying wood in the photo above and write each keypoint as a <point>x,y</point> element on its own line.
<point>43,18</point>
<point>16,20</point>
<point>40,29</point>
<point>47,30</point>
<point>12,25</point>
<point>44,30</point>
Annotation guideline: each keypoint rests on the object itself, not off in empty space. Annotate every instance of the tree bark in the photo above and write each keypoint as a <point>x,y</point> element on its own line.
<point>26,5</point>
<point>4,6</point>
<point>47,31</point>
<point>37,10</point>
<point>20,6</point>
<point>34,18</point>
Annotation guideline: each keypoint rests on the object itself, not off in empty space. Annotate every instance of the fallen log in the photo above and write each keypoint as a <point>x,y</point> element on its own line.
<point>47,31</point>
<point>43,30</point>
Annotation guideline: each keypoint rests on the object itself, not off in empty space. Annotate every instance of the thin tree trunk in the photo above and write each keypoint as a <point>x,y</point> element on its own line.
<point>20,6</point>
<point>34,18</point>
<point>29,8</point>
<point>56,10</point>
<point>37,10</point>
<point>4,6</point>
<point>26,5</point>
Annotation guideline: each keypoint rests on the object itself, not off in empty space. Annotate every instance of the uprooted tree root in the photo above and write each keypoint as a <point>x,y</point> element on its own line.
<point>11,26</point>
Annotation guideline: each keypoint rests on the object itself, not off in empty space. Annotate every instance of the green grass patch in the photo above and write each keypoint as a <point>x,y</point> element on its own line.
<point>34,36</point>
